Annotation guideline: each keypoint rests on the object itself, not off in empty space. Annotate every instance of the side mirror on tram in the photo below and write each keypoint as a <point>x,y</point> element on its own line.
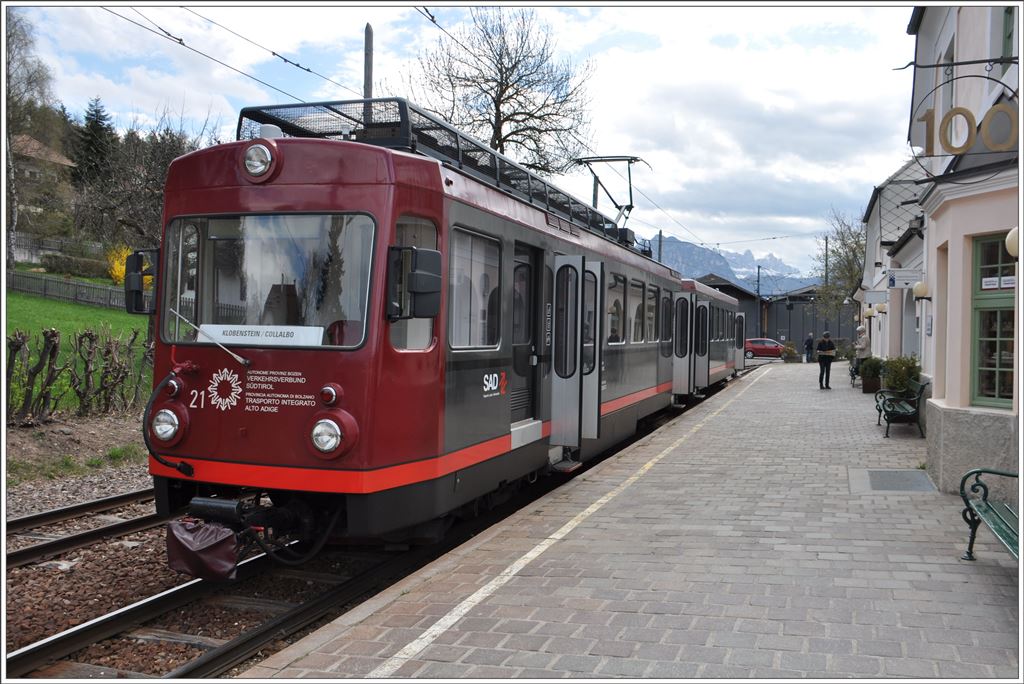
<point>414,283</point>
<point>138,266</point>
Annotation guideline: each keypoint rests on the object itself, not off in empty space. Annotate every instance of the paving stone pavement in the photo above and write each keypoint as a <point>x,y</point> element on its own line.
<point>734,542</point>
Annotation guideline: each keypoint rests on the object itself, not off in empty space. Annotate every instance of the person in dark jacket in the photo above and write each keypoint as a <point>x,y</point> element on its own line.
<point>826,352</point>
<point>809,347</point>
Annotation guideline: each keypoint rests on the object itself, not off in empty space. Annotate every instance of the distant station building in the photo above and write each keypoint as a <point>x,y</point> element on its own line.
<point>747,299</point>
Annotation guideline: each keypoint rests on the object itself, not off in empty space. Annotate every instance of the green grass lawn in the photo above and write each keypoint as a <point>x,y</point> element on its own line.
<point>33,314</point>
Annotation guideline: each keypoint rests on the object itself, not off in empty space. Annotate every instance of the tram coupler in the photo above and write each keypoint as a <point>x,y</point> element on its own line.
<point>207,542</point>
<point>227,511</point>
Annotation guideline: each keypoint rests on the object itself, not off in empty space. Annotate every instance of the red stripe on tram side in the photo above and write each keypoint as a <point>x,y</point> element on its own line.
<point>358,481</point>
<point>630,399</point>
<point>340,481</point>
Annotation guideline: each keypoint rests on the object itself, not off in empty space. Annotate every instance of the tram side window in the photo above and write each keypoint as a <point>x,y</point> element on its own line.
<point>616,309</point>
<point>652,313</point>
<point>414,333</point>
<point>666,324</point>
<point>474,291</point>
<point>702,331</point>
<point>182,262</point>
<point>636,294</point>
<point>566,317</point>
<point>522,279</point>
<point>589,322</point>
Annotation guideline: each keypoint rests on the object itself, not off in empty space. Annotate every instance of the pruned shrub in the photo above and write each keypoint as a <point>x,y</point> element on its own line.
<point>95,372</point>
<point>76,266</point>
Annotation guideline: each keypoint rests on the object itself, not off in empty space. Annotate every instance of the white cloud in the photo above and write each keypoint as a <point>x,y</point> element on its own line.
<point>755,119</point>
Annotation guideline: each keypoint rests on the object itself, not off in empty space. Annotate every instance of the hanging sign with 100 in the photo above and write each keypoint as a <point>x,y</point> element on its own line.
<point>1005,141</point>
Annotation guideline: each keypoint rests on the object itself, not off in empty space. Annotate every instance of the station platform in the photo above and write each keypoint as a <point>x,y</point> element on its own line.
<point>768,532</point>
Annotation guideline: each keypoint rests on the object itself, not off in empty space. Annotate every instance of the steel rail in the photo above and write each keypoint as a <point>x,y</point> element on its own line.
<point>45,651</point>
<point>220,659</point>
<point>36,552</point>
<point>61,514</point>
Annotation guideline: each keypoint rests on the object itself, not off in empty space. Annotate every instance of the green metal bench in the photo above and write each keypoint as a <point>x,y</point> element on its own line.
<point>999,516</point>
<point>901,406</point>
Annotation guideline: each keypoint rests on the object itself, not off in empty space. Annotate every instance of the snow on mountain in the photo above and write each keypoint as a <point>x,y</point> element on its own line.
<point>746,264</point>
<point>694,261</point>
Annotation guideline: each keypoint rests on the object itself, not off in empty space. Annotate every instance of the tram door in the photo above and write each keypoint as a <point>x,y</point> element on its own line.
<point>682,347</point>
<point>701,345</point>
<point>593,333</point>
<point>567,352</point>
<point>525,292</point>
<point>740,335</point>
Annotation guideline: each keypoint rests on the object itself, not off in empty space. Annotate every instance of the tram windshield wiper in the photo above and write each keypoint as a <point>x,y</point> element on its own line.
<point>236,357</point>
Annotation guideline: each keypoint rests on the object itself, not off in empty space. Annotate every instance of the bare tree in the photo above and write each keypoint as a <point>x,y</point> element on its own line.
<point>500,81</point>
<point>840,260</point>
<point>125,203</point>
<point>28,81</point>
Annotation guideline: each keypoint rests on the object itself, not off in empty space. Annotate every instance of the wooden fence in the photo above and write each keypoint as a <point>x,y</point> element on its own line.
<point>68,290</point>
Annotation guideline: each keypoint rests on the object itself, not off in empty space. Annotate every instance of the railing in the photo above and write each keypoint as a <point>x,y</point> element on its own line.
<point>68,290</point>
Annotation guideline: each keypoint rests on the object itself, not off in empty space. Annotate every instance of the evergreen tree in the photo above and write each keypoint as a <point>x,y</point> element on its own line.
<point>95,144</point>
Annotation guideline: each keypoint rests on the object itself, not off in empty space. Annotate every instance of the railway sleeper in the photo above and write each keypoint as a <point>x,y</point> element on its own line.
<point>70,670</point>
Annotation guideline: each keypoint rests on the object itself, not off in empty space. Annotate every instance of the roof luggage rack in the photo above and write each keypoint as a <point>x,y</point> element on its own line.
<point>397,124</point>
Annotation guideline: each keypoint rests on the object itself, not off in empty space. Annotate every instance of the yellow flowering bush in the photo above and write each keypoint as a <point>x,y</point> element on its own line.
<point>115,265</point>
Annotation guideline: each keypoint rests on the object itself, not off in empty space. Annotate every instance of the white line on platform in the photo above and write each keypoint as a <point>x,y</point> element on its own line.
<point>391,665</point>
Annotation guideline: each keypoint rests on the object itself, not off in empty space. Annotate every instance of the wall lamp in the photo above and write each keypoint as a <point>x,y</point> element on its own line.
<point>1012,245</point>
<point>921,291</point>
<point>916,226</point>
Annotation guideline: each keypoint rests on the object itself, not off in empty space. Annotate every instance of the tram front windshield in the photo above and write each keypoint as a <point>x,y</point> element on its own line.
<point>292,280</point>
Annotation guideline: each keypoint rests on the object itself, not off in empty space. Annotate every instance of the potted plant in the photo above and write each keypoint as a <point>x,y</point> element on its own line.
<point>899,370</point>
<point>789,353</point>
<point>871,374</point>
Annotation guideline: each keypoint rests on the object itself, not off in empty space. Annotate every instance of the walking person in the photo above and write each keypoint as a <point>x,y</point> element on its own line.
<point>826,352</point>
<point>809,347</point>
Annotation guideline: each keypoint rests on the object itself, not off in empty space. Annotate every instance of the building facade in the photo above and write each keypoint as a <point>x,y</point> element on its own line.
<point>964,130</point>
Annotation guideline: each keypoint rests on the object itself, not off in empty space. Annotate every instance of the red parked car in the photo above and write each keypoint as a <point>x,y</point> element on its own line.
<point>762,346</point>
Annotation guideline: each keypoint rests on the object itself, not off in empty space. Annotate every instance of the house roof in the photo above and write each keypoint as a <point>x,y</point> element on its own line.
<point>915,21</point>
<point>907,236</point>
<point>27,146</point>
<point>715,280</point>
<point>897,201</point>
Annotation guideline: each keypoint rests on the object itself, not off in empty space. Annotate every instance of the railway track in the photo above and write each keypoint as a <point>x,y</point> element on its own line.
<point>48,658</point>
<point>69,542</point>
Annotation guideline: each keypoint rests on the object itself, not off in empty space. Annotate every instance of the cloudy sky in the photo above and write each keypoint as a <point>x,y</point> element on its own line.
<point>755,121</point>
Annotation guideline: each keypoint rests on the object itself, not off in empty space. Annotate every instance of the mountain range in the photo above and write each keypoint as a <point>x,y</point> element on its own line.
<point>694,261</point>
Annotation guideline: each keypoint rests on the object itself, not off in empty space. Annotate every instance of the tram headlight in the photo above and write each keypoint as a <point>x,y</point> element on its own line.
<point>258,159</point>
<point>165,425</point>
<point>326,435</point>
